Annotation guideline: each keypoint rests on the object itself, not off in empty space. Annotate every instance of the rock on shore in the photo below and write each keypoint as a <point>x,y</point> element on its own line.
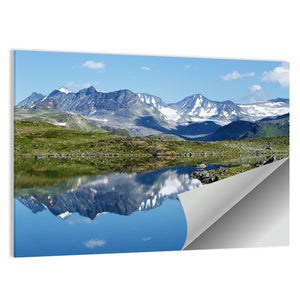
<point>204,176</point>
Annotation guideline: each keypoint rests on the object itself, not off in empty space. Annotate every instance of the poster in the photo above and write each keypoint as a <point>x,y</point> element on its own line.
<point>106,147</point>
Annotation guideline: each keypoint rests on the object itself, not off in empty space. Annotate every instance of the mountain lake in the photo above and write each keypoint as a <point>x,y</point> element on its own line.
<point>111,213</point>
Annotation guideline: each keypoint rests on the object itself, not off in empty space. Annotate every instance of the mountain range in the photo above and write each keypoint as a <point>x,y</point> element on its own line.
<point>143,114</point>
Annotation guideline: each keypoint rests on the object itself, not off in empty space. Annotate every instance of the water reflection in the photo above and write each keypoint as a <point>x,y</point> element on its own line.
<point>112,213</point>
<point>115,193</point>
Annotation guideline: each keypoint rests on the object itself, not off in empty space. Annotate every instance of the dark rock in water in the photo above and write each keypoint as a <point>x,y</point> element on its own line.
<point>265,162</point>
<point>205,177</point>
<point>200,166</point>
<point>270,160</point>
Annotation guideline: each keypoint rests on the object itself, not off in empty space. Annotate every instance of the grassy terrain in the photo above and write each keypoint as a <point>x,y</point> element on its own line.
<point>51,116</point>
<point>36,138</point>
<point>84,153</point>
<point>239,130</point>
<point>265,128</point>
<point>170,136</point>
<point>67,120</point>
<point>223,173</point>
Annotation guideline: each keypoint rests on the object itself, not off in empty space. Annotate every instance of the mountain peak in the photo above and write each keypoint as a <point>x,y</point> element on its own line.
<point>34,94</point>
<point>64,90</point>
<point>198,95</point>
<point>88,91</point>
<point>91,88</point>
<point>228,102</point>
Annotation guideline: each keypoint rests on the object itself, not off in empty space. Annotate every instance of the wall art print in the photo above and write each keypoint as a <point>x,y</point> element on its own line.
<point>104,144</point>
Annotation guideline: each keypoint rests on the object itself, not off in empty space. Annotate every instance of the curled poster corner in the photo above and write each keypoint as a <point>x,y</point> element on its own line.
<point>205,205</point>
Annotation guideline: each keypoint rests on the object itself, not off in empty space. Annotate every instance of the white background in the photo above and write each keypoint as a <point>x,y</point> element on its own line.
<point>267,30</point>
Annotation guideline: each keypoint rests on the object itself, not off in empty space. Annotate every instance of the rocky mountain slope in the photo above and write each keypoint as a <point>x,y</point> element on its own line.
<point>63,119</point>
<point>197,108</point>
<point>145,114</point>
<point>120,109</point>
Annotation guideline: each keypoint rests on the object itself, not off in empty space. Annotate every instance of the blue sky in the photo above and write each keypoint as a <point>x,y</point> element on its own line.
<point>171,78</point>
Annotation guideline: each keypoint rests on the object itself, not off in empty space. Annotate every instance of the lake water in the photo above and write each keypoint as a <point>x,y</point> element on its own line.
<point>110,213</point>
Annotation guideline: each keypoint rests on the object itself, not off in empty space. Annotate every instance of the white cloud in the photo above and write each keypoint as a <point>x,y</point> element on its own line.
<point>257,94</point>
<point>145,239</point>
<point>145,68</point>
<point>94,64</point>
<point>254,88</point>
<point>279,74</point>
<point>187,66</point>
<point>94,243</point>
<point>236,75</point>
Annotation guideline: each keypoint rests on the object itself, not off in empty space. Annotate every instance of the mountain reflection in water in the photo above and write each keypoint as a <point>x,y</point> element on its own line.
<point>112,213</point>
<point>118,193</point>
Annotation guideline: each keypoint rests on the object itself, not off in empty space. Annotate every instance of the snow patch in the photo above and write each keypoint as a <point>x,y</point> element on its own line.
<point>100,91</point>
<point>170,113</point>
<point>64,215</point>
<point>197,104</point>
<point>60,123</point>
<point>265,109</point>
<point>64,90</point>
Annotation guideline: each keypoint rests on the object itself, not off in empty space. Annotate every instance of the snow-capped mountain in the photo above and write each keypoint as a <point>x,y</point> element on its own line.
<point>145,114</point>
<point>271,108</point>
<point>197,108</point>
<point>64,90</point>
<point>151,100</point>
<point>119,109</point>
<point>170,114</point>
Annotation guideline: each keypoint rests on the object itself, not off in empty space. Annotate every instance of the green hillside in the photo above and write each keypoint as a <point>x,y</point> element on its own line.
<point>35,138</point>
<point>239,130</point>
<point>268,127</point>
<point>63,119</point>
